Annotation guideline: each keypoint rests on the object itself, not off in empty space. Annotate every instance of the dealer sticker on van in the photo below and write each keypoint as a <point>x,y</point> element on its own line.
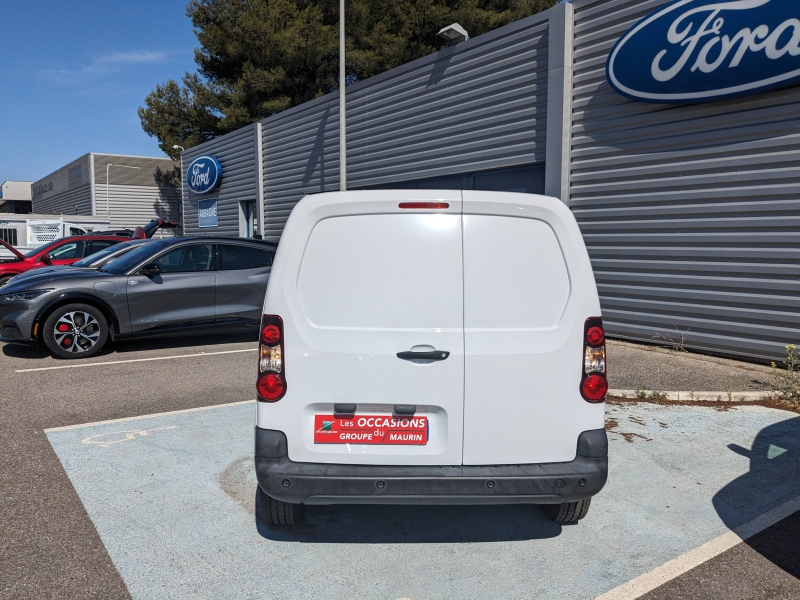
<point>371,429</point>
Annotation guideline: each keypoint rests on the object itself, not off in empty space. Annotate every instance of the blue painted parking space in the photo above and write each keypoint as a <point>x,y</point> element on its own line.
<point>172,497</point>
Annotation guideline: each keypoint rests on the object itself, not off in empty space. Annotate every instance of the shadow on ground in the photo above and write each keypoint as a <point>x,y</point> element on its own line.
<point>382,524</point>
<point>774,476</point>
<point>385,524</point>
<point>40,352</point>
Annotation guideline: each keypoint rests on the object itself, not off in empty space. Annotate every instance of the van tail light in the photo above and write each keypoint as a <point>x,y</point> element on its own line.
<point>271,383</point>
<point>594,384</point>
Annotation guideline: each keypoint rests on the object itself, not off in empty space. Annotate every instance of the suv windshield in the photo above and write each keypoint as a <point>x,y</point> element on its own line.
<point>119,249</point>
<point>135,257</point>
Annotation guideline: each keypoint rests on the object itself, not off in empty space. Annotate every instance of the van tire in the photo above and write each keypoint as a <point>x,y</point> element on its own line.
<point>85,313</point>
<point>567,512</point>
<point>277,513</point>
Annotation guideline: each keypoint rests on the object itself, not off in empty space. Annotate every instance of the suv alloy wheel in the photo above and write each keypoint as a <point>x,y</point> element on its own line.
<point>75,331</point>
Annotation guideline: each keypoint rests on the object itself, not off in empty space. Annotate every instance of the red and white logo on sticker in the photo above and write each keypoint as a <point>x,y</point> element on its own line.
<point>371,429</point>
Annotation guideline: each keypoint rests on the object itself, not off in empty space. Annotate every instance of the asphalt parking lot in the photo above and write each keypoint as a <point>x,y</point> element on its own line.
<point>156,505</point>
<point>48,545</point>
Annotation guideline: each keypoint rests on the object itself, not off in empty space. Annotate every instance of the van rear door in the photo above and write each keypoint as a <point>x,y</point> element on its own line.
<point>358,280</point>
<point>528,288</point>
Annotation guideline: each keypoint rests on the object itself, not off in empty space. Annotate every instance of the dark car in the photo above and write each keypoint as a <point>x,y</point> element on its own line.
<point>63,251</point>
<point>162,288</point>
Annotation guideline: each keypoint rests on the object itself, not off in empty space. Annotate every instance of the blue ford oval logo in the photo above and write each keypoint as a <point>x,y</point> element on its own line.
<point>204,174</point>
<point>703,50</point>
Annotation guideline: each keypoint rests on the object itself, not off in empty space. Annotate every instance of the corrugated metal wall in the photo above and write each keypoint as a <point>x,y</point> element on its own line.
<point>691,213</point>
<point>236,152</point>
<point>132,205</point>
<point>145,171</point>
<point>471,107</point>
<point>478,105</point>
<point>64,191</point>
<point>300,156</point>
<point>137,195</point>
<point>77,201</point>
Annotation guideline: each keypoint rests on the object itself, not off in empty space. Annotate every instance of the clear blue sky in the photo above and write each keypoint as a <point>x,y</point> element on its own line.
<point>73,73</point>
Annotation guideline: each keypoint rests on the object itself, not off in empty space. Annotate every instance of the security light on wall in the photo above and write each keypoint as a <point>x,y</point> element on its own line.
<point>453,34</point>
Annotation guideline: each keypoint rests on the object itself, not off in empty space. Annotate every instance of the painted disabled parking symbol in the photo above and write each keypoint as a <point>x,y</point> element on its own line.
<point>104,440</point>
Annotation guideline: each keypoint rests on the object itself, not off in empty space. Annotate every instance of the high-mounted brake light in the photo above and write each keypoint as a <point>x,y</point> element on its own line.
<point>594,383</point>
<point>433,205</point>
<point>271,384</point>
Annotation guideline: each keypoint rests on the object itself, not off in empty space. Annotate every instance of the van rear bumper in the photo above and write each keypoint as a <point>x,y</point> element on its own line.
<point>322,483</point>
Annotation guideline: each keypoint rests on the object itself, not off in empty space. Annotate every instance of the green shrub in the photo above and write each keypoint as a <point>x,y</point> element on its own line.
<point>788,378</point>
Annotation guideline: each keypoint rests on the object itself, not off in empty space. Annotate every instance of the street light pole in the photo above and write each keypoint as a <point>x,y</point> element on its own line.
<point>108,168</point>
<point>342,119</point>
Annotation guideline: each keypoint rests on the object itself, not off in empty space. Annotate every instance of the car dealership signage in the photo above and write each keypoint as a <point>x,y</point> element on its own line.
<point>204,174</point>
<point>207,213</point>
<point>702,50</point>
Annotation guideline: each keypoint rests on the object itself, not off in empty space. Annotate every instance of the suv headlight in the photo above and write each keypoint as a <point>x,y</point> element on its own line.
<point>26,295</point>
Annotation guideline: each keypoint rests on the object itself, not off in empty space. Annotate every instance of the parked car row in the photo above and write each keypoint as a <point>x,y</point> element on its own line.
<point>137,288</point>
<point>68,250</point>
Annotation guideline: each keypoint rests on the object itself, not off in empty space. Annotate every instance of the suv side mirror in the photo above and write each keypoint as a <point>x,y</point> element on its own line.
<point>45,259</point>
<point>150,270</point>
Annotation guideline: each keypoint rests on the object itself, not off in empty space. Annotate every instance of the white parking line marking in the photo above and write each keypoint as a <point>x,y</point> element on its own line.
<point>150,416</point>
<point>133,360</point>
<point>694,558</point>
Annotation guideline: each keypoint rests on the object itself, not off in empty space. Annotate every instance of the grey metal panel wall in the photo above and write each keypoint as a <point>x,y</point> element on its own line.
<point>475,106</point>
<point>132,205</point>
<point>301,156</point>
<point>136,195</point>
<point>236,153</point>
<point>76,201</point>
<point>147,171</point>
<point>62,189</point>
<point>691,213</point>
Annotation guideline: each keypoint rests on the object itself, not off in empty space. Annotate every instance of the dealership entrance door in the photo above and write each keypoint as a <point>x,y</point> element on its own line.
<point>248,219</point>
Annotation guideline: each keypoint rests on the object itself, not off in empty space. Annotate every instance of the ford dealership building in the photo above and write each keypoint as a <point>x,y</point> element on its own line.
<point>671,130</point>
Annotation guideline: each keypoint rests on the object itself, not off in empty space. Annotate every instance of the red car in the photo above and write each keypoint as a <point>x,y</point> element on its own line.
<point>63,251</point>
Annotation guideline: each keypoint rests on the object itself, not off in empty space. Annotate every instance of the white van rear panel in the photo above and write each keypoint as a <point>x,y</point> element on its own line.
<point>357,282</point>
<point>528,289</point>
<point>501,281</point>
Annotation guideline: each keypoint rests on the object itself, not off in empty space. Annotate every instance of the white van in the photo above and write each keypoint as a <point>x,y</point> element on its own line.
<point>434,347</point>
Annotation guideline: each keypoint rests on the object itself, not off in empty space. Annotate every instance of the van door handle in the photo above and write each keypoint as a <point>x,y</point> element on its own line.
<point>434,355</point>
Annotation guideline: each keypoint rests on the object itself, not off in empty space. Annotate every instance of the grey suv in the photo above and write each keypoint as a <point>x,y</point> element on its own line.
<point>162,288</point>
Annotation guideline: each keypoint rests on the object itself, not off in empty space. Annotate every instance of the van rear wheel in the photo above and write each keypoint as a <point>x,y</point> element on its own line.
<point>566,512</point>
<point>275,512</point>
